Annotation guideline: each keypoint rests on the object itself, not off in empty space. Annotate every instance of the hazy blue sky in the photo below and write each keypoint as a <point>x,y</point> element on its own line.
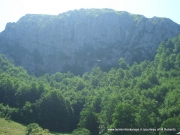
<point>12,10</point>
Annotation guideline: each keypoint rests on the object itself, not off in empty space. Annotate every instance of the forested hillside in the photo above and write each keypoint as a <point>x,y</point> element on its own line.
<point>144,95</point>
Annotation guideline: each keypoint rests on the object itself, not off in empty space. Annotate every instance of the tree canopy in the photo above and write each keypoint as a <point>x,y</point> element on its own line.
<point>144,95</point>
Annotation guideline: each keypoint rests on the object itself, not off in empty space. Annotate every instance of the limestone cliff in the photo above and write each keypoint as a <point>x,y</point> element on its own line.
<point>81,39</point>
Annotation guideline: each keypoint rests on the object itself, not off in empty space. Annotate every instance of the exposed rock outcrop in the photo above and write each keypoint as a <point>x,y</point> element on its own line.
<point>80,39</point>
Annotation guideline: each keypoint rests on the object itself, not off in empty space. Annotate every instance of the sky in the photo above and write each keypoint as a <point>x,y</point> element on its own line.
<point>13,10</point>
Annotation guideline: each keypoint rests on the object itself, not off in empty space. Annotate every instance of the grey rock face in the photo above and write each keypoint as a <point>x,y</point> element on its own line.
<point>81,39</point>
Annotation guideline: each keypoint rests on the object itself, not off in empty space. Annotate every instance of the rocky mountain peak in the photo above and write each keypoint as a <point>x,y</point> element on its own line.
<point>75,40</point>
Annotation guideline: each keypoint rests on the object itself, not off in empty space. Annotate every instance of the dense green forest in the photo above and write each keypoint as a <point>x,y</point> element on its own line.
<point>144,95</point>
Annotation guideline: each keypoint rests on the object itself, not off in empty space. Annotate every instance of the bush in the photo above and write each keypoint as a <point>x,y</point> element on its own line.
<point>35,129</point>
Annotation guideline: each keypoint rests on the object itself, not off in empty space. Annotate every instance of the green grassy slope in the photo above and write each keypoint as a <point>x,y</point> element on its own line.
<point>11,128</point>
<point>8,127</point>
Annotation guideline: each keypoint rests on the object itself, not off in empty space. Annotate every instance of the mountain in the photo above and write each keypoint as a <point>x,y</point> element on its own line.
<point>78,40</point>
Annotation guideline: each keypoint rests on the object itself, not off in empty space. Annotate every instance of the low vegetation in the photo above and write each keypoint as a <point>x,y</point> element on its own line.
<point>8,127</point>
